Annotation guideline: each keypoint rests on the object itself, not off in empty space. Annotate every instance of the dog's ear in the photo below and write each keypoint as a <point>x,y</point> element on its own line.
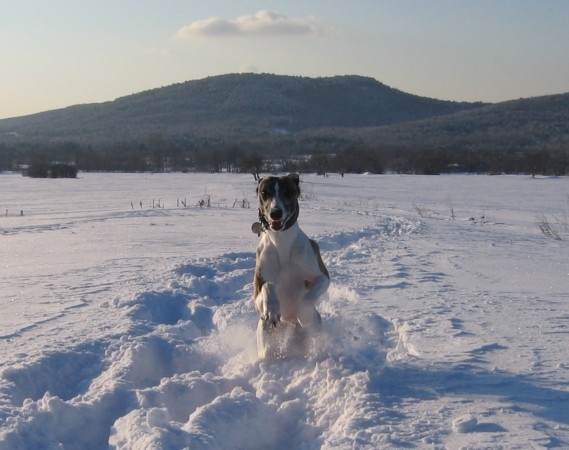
<point>258,184</point>
<point>296,178</point>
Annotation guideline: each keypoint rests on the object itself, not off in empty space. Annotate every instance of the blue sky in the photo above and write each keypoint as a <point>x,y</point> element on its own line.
<point>63,52</point>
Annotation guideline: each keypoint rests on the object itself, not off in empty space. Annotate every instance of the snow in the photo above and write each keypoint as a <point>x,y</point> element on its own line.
<point>132,327</point>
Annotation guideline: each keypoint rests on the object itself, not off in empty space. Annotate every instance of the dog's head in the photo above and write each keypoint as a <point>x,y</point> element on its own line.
<point>278,201</point>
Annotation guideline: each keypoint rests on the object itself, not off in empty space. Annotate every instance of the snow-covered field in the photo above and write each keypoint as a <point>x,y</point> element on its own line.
<point>127,326</point>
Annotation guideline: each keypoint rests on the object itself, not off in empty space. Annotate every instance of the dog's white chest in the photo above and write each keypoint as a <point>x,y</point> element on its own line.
<point>290,287</point>
<point>284,265</point>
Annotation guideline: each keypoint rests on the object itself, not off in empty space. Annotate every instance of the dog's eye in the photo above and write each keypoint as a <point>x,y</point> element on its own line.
<point>264,194</point>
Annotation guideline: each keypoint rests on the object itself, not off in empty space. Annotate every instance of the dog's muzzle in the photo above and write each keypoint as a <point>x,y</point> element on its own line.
<point>276,221</point>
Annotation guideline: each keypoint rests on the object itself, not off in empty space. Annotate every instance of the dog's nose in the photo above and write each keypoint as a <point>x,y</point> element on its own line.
<point>276,214</point>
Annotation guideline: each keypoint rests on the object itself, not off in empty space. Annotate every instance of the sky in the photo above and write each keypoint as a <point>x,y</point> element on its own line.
<point>59,53</point>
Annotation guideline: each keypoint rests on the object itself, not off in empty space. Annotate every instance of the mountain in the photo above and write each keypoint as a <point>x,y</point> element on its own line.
<point>229,107</point>
<point>527,124</point>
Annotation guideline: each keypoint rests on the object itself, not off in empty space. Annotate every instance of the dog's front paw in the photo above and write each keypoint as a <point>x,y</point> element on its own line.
<point>272,318</point>
<point>271,313</point>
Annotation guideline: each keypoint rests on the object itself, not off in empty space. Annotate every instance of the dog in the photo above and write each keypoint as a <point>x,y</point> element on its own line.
<point>290,275</point>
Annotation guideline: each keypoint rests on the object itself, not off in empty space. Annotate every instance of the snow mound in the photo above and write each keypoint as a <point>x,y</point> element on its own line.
<point>464,424</point>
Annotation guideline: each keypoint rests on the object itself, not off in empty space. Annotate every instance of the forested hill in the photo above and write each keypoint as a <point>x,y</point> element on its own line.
<point>517,125</point>
<point>227,107</point>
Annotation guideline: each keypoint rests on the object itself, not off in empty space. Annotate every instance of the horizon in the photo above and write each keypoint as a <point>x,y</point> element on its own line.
<point>83,53</point>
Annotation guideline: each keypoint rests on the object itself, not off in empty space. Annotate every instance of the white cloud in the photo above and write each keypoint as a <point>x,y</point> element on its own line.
<point>262,23</point>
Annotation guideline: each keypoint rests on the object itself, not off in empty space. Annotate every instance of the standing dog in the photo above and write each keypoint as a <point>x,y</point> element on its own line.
<point>289,275</point>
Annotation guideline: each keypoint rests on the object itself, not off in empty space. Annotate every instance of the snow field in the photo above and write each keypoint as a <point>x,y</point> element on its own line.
<point>138,331</point>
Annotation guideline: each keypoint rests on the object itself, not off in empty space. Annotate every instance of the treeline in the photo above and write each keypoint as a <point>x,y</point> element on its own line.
<point>54,170</point>
<point>157,155</point>
<point>438,161</point>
